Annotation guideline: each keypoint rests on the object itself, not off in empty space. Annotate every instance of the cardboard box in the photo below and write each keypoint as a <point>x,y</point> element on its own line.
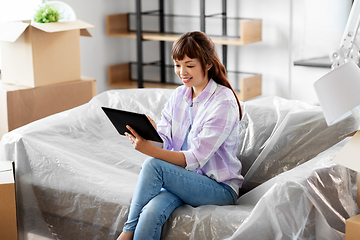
<point>352,229</point>
<point>21,105</point>
<point>41,54</point>
<point>8,224</point>
<point>349,157</point>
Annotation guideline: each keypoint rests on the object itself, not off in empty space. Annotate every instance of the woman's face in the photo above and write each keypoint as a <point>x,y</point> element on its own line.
<point>191,74</point>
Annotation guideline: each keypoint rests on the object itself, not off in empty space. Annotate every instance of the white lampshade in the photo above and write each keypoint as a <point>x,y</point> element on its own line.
<point>339,92</point>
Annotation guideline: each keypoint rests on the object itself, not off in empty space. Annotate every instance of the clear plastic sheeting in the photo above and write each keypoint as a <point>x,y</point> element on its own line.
<point>286,134</point>
<point>311,201</point>
<point>75,175</point>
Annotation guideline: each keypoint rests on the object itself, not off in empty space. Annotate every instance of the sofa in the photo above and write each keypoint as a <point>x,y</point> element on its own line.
<point>75,175</point>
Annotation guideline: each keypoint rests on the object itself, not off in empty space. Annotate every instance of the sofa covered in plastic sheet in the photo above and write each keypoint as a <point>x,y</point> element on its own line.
<point>75,175</point>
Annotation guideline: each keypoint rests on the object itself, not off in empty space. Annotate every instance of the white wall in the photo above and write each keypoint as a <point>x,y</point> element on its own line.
<point>100,51</point>
<point>17,10</point>
<point>270,57</point>
<point>317,30</point>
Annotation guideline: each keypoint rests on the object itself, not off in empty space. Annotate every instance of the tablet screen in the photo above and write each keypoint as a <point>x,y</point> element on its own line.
<point>139,122</point>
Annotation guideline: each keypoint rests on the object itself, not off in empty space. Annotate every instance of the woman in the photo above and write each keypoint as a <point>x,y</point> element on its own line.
<point>200,127</point>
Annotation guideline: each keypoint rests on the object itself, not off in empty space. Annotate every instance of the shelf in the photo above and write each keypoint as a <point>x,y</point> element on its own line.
<point>134,84</point>
<point>119,76</point>
<point>250,87</point>
<point>131,75</point>
<point>117,26</point>
<point>322,62</point>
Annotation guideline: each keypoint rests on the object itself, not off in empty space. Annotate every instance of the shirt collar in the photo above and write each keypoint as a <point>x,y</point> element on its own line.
<point>204,96</point>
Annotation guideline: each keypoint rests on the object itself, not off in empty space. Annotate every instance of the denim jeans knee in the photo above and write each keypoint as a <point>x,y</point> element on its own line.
<point>189,187</point>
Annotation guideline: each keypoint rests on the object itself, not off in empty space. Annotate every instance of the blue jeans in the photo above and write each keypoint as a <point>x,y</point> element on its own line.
<point>161,188</point>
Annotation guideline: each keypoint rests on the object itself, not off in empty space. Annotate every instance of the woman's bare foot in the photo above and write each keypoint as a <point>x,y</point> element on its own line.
<point>126,236</point>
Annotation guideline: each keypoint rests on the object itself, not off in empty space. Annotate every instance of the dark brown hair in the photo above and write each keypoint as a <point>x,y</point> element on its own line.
<point>198,45</point>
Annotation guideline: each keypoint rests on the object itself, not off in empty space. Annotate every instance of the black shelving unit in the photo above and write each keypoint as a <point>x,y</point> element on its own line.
<point>130,25</point>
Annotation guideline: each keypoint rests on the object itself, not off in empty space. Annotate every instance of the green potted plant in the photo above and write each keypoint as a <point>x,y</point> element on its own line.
<point>46,13</point>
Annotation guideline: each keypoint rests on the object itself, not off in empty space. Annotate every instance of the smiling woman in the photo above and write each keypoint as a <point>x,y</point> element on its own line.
<point>197,163</point>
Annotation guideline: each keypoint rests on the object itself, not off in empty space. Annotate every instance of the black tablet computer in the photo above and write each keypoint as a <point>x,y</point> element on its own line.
<point>139,122</point>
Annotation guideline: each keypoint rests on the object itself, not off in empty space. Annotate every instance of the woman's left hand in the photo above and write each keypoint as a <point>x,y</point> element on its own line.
<point>140,144</point>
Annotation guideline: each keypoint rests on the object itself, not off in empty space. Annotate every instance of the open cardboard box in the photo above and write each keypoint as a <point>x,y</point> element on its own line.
<point>8,224</point>
<point>350,153</point>
<point>349,157</point>
<point>20,105</point>
<point>352,228</point>
<point>41,54</point>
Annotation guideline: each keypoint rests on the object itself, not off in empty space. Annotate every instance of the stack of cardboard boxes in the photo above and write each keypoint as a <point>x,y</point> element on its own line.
<point>41,71</point>
<point>40,76</point>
